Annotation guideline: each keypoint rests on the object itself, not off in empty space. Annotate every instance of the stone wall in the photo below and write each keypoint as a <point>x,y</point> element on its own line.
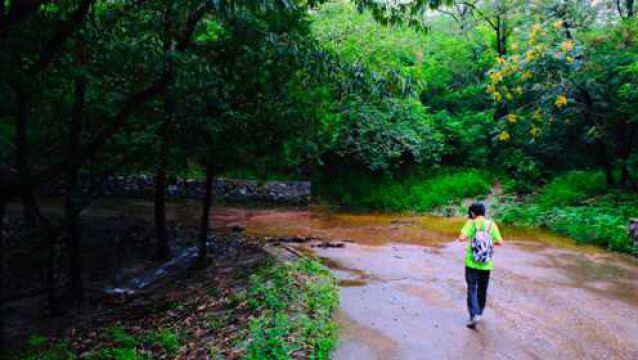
<point>141,186</point>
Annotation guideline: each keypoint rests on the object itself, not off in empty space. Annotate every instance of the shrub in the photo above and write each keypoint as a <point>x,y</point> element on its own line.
<point>572,188</point>
<point>416,192</point>
<point>295,303</point>
<point>602,223</point>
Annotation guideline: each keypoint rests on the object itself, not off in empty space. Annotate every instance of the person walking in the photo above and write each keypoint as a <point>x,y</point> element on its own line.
<point>481,234</point>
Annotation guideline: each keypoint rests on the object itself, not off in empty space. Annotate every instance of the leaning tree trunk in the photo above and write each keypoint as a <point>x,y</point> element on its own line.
<point>206,205</point>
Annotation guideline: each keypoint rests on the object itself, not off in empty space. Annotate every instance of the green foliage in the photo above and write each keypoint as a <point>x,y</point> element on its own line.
<point>523,170</point>
<point>295,303</point>
<point>572,188</point>
<point>121,337</point>
<point>578,205</point>
<point>419,192</point>
<point>385,136</point>
<point>165,338</point>
<point>39,348</point>
<point>122,345</point>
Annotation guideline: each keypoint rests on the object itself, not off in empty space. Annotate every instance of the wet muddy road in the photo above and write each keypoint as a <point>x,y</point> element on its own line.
<point>403,289</point>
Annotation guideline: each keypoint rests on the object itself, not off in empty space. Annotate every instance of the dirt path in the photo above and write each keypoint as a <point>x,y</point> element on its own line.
<point>403,290</point>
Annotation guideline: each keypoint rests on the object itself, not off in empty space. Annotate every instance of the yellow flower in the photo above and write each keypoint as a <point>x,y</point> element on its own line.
<point>518,90</point>
<point>496,77</point>
<point>561,100</point>
<point>504,136</point>
<point>511,118</point>
<point>501,60</point>
<point>497,96</point>
<point>530,55</point>
<point>537,115</point>
<point>536,28</point>
<point>514,46</point>
<point>569,59</point>
<point>526,75</point>
<point>568,45</point>
<point>516,58</point>
<point>557,24</point>
<point>533,131</point>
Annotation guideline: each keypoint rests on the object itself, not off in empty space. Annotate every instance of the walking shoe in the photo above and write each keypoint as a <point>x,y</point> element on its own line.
<point>477,319</point>
<point>471,323</point>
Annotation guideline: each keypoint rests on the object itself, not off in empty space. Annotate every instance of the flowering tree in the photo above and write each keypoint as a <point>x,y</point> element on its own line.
<point>552,80</point>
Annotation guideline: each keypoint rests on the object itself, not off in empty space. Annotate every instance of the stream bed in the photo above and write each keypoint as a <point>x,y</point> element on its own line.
<point>403,288</point>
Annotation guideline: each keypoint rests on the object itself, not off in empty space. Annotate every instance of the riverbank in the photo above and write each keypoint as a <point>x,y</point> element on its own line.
<point>249,302</point>
<point>279,311</point>
<point>577,204</point>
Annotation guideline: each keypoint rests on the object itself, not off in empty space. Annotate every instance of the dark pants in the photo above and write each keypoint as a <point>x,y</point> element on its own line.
<point>477,281</point>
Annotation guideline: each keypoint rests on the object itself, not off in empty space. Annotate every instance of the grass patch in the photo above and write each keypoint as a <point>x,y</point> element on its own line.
<point>116,344</point>
<point>294,304</point>
<point>414,193</point>
<point>579,206</point>
<point>572,188</point>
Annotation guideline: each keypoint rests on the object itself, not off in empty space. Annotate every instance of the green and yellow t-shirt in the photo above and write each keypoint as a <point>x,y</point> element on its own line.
<point>469,230</point>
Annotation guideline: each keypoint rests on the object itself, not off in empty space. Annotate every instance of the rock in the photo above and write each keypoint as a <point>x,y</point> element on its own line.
<point>237,228</point>
<point>330,244</point>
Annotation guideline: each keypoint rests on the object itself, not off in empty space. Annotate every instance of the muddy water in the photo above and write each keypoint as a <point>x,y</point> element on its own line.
<point>403,290</point>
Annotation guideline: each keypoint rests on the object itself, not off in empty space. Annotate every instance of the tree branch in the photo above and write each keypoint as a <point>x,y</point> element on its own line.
<point>61,34</point>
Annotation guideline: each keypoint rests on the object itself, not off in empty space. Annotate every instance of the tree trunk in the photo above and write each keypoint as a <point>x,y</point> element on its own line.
<point>70,213</point>
<point>162,250</point>
<point>630,8</point>
<point>501,49</point>
<point>2,208</point>
<point>22,165</point>
<point>206,205</point>
<point>605,163</point>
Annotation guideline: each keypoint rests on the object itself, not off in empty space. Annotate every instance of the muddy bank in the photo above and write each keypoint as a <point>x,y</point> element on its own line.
<point>119,271</point>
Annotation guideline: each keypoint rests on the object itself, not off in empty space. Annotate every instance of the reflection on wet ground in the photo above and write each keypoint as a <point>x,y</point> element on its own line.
<point>403,289</point>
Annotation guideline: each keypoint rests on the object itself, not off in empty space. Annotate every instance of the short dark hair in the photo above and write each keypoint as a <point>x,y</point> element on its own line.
<point>478,209</point>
